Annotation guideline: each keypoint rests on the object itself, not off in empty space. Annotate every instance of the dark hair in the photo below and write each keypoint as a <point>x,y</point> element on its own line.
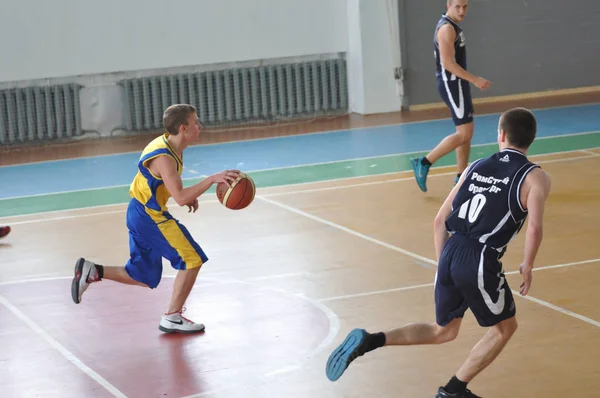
<point>176,115</point>
<point>520,127</point>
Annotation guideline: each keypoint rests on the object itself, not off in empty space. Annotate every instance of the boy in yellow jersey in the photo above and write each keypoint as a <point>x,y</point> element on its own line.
<point>153,232</point>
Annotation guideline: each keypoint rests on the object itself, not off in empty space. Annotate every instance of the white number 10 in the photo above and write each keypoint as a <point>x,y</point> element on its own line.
<point>473,206</point>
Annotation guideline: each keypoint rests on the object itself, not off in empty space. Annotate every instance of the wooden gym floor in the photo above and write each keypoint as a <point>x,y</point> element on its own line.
<point>286,280</point>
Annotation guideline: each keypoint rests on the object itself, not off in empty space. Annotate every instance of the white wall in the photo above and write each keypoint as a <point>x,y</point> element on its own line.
<point>66,38</point>
<point>372,47</point>
<point>57,38</point>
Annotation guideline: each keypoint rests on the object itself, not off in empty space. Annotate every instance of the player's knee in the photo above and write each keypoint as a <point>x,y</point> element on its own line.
<point>465,134</point>
<point>511,327</point>
<point>191,271</point>
<point>465,130</point>
<point>507,328</point>
<point>446,334</point>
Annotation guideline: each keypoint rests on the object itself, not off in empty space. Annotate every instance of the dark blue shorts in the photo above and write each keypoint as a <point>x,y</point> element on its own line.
<point>457,96</point>
<point>470,276</point>
<point>154,235</point>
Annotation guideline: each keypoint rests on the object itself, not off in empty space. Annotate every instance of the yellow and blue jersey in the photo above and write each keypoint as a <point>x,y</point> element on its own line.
<point>153,232</point>
<point>147,188</point>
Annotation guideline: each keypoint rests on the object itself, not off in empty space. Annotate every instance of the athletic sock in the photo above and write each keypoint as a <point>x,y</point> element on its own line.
<point>426,161</point>
<point>100,269</point>
<point>455,386</point>
<point>376,340</point>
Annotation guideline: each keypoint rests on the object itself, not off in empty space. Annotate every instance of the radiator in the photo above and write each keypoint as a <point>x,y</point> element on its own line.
<point>39,113</point>
<point>242,95</point>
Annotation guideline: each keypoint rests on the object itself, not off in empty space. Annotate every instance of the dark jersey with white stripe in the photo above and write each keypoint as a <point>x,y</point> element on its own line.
<point>487,206</point>
<point>460,49</point>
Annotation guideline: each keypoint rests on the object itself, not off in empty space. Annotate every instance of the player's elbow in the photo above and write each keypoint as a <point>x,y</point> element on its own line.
<point>449,64</point>
<point>179,198</point>
<point>439,222</point>
<point>535,230</point>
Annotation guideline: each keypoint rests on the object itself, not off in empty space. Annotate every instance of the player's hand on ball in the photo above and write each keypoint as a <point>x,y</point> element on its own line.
<point>526,272</point>
<point>227,176</point>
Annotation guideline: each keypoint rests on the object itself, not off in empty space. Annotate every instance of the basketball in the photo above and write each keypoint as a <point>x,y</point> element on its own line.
<point>240,195</point>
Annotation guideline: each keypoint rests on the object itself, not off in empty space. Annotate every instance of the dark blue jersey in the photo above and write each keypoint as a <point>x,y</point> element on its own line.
<point>487,206</point>
<point>460,49</point>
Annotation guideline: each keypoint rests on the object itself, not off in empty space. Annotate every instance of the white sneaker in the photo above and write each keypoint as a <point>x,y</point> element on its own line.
<point>176,323</point>
<point>85,273</point>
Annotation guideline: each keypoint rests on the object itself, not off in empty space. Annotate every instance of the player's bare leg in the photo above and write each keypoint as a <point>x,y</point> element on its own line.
<point>119,274</point>
<point>423,333</point>
<point>184,282</point>
<point>459,141</point>
<point>358,342</point>
<point>484,352</point>
<point>463,151</point>
<point>461,138</point>
<point>487,349</point>
<point>87,272</point>
<point>173,321</point>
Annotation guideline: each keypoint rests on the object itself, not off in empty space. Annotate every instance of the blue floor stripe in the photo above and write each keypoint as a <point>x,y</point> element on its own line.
<point>104,171</point>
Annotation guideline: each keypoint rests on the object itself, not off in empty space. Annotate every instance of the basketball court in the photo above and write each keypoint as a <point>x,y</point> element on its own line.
<point>312,258</point>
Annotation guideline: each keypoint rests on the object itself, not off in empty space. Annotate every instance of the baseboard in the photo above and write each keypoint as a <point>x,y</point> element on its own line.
<point>514,97</point>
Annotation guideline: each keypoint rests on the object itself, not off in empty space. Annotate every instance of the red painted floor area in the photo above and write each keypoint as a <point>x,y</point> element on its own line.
<point>250,331</point>
<point>30,367</point>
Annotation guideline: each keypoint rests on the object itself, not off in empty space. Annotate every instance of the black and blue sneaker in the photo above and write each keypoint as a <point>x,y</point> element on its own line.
<point>463,394</point>
<point>421,170</point>
<point>354,345</point>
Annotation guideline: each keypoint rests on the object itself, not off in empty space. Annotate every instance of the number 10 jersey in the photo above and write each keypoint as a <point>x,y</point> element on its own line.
<point>487,207</point>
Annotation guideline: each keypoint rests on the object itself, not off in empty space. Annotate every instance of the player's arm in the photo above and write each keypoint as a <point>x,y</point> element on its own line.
<point>440,235</point>
<point>446,37</point>
<point>166,168</point>
<point>539,189</point>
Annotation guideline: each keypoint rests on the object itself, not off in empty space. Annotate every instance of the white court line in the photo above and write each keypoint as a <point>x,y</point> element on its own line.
<point>557,308</point>
<point>43,279</point>
<point>62,218</point>
<point>545,267</point>
<point>60,348</point>
<point>348,230</point>
<point>403,288</point>
<point>375,292</point>
<point>361,184</point>
<point>220,278</point>
<point>404,251</point>
<point>334,327</point>
<point>590,152</point>
<point>280,276</point>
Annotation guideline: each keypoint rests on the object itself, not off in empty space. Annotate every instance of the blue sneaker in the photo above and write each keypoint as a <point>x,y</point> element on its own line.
<point>354,345</point>
<point>456,180</point>
<point>421,172</point>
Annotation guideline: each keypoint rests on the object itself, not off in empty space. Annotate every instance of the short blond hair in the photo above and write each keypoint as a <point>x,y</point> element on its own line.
<point>176,115</point>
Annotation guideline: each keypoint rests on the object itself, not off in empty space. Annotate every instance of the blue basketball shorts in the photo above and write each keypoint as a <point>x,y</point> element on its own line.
<point>470,275</point>
<point>152,237</point>
<point>457,96</point>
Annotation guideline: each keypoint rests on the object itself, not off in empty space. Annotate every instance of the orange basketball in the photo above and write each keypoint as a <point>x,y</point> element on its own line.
<point>240,195</point>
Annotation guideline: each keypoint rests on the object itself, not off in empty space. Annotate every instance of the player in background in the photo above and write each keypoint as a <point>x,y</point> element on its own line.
<point>452,79</point>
